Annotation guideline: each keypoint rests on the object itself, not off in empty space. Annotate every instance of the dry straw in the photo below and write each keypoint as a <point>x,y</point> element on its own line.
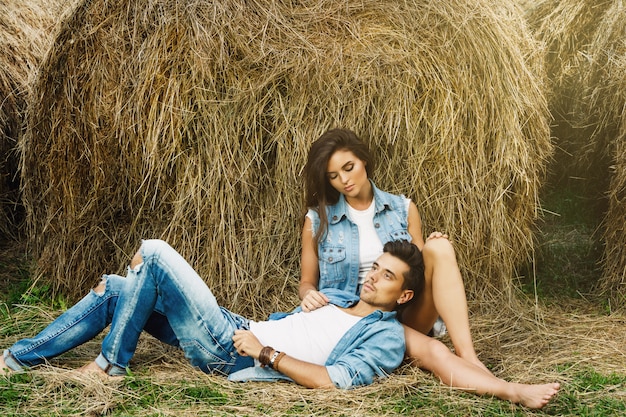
<point>191,120</point>
<point>567,27</point>
<point>25,33</point>
<point>605,110</point>
<point>568,341</point>
<point>586,62</point>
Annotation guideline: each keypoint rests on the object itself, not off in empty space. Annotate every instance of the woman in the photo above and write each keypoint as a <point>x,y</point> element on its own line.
<point>348,221</point>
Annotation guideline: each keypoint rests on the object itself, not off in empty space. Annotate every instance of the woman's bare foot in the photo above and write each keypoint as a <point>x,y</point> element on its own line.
<point>535,396</point>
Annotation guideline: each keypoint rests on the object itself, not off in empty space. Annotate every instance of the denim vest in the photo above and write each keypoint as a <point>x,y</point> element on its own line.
<point>338,250</point>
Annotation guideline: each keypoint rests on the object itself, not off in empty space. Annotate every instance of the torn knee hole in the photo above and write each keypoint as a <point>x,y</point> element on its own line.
<point>137,260</point>
<point>100,288</point>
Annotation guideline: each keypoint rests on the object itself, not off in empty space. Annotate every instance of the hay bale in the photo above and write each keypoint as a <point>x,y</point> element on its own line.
<point>567,28</point>
<point>605,110</point>
<point>586,61</point>
<point>191,121</point>
<point>25,33</point>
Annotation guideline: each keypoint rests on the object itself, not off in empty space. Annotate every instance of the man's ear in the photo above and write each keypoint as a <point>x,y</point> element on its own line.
<point>407,295</point>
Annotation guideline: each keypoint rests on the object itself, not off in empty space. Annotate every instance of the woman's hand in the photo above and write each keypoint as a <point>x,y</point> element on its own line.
<point>313,300</point>
<point>436,235</point>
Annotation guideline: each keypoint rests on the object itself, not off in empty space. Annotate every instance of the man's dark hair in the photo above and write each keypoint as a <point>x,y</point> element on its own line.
<point>412,256</point>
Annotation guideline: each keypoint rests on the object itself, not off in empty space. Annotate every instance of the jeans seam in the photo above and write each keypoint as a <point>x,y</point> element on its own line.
<point>67,327</point>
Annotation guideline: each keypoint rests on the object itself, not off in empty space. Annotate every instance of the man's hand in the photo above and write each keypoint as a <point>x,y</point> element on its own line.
<point>247,344</point>
<point>313,300</point>
<point>304,373</point>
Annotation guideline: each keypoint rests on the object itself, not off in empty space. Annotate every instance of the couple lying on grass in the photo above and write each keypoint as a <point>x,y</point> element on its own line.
<point>346,343</point>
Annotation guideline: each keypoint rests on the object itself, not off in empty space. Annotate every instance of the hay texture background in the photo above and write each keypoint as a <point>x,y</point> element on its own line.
<point>605,110</point>
<point>567,28</point>
<point>191,120</point>
<point>25,33</point>
<point>586,62</point>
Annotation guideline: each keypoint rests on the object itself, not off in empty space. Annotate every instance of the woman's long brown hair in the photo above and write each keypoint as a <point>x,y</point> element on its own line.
<point>319,193</point>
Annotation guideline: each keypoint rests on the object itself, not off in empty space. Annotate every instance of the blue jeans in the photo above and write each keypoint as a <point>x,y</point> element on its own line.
<point>164,296</point>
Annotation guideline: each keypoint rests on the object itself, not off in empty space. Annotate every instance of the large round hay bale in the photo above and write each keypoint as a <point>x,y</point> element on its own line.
<point>567,28</point>
<point>25,33</point>
<point>191,121</point>
<point>605,110</point>
<point>586,62</point>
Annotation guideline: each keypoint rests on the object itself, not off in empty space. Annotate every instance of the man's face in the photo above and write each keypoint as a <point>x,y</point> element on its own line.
<point>383,284</point>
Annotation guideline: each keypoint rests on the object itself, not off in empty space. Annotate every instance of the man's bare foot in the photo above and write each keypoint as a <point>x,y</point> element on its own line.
<point>4,369</point>
<point>536,396</point>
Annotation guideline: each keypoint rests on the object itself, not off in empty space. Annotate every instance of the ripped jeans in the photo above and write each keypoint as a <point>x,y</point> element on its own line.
<point>164,296</point>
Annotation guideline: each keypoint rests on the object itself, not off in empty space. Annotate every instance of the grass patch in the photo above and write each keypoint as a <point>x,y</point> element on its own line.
<point>590,393</point>
<point>568,247</point>
<point>163,384</point>
<point>14,273</point>
<point>14,390</point>
<point>145,393</point>
<point>570,342</point>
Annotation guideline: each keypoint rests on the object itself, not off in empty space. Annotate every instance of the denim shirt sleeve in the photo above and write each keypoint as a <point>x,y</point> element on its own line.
<point>373,348</point>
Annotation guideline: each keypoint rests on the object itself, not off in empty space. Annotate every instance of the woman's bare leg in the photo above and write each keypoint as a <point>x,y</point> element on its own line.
<point>444,295</point>
<point>432,355</point>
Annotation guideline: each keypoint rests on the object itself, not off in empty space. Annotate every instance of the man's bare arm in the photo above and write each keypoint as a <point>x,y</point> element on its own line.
<point>303,373</point>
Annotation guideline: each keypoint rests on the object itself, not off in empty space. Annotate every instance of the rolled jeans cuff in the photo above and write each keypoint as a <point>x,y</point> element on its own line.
<point>11,362</point>
<point>108,367</point>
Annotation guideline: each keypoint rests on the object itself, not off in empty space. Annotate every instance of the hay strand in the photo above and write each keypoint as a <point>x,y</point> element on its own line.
<point>25,33</point>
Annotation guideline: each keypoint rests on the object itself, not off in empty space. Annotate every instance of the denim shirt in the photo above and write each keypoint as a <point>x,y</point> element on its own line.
<point>373,347</point>
<point>338,250</point>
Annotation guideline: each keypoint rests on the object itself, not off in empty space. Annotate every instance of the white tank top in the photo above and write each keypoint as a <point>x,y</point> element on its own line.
<point>370,246</point>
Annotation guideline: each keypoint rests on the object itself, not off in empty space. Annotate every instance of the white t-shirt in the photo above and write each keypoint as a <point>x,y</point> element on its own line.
<point>309,337</point>
<point>370,246</point>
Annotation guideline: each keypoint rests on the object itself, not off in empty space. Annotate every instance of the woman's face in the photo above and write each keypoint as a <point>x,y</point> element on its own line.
<point>347,174</point>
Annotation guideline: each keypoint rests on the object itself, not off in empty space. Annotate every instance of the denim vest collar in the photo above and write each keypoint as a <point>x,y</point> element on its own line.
<point>338,211</point>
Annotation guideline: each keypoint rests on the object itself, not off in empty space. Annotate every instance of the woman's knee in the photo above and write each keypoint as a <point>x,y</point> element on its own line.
<point>438,248</point>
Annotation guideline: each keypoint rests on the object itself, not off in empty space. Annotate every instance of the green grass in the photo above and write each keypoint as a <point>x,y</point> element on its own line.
<point>569,250</point>
<point>586,394</point>
<point>589,393</point>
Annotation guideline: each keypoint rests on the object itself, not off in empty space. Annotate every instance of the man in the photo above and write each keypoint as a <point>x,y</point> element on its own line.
<point>344,344</point>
